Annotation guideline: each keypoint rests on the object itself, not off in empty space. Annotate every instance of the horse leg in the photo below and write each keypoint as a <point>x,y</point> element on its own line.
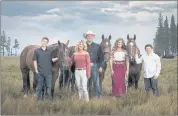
<point>34,81</point>
<point>101,77</point>
<point>28,82</point>
<point>60,81</point>
<point>73,87</point>
<point>137,77</point>
<point>54,78</point>
<point>25,83</point>
<point>129,81</point>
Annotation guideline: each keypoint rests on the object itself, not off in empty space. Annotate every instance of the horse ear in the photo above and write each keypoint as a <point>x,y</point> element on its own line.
<point>109,37</point>
<point>102,37</point>
<point>67,43</point>
<point>127,36</point>
<point>84,35</point>
<point>134,37</point>
<point>59,43</point>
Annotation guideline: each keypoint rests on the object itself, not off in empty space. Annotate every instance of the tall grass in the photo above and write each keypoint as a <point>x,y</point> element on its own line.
<point>135,102</point>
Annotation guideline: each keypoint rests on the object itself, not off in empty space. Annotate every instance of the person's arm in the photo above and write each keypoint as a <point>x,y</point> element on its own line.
<point>127,63</point>
<point>35,58</point>
<point>53,57</point>
<point>158,66</point>
<point>111,62</point>
<point>88,67</point>
<point>138,60</point>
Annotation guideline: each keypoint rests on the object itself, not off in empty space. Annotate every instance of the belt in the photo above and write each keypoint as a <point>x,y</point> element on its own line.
<point>118,62</point>
<point>80,69</point>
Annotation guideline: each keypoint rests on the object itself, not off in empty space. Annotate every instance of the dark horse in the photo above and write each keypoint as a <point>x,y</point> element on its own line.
<point>26,64</point>
<point>106,48</point>
<point>134,69</point>
<point>67,76</point>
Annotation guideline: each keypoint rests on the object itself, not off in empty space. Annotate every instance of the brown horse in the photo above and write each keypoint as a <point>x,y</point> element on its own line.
<point>134,69</point>
<point>26,64</point>
<point>106,48</point>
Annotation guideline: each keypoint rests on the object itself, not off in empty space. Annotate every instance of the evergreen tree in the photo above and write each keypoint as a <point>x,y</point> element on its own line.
<point>16,46</point>
<point>159,38</point>
<point>173,35</point>
<point>8,46</point>
<point>3,43</point>
<point>166,38</point>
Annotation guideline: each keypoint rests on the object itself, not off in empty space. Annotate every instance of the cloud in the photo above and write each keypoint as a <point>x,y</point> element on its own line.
<point>54,10</point>
<point>69,20</point>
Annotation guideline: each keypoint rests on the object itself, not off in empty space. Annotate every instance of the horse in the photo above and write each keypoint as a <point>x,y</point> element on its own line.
<point>106,49</point>
<point>67,76</point>
<point>134,68</point>
<point>26,64</point>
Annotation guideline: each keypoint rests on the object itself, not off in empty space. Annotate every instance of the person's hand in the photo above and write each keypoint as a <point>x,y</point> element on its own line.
<point>112,72</point>
<point>54,59</point>
<point>100,69</point>
<point>155,77</point>
<point>126,74</point>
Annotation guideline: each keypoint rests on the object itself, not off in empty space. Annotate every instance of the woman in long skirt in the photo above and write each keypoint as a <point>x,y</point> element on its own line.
<point>119,67</point>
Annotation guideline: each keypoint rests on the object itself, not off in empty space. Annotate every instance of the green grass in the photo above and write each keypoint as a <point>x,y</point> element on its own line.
<point>135,102</point>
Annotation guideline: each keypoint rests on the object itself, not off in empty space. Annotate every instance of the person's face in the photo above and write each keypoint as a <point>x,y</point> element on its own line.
<point>149,50</point>
<point>90,37</point>
<point>119,44</point>
<point>44,42</point>
<point>80,46</point>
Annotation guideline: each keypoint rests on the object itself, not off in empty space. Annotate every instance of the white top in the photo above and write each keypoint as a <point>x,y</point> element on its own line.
<point>152,64</point>
<point>119,56</point>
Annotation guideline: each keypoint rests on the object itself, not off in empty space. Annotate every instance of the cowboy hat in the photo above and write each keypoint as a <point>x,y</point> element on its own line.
<point>89,32</point>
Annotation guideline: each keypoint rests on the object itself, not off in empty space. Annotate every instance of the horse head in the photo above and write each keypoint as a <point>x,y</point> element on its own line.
<point>132,48</point>
<point>61,51</point>
<point>106,46</point>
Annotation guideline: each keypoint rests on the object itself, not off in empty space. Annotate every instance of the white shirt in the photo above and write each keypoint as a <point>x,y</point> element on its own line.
<point>152,64</point>
<point>119,56</point>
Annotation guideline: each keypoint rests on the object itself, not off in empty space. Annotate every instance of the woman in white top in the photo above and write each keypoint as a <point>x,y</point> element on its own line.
<point>119,67</point>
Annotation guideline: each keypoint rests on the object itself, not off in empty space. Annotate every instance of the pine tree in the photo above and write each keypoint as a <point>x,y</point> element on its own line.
<point>16,46</point>
<point>8,46</point>
<point>3,43</point>
<point>166,38</point>
<point>158,41</point>
<point>173,35</point>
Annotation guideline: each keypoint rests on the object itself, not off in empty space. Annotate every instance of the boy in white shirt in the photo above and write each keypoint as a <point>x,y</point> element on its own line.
<point>152,67</point>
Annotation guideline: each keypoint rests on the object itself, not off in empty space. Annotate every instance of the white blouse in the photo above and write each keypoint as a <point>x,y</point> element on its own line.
<point>119,56</point>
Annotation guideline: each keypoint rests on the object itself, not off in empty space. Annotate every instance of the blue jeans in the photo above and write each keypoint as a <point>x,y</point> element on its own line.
<point>95,80</point>
<point>43,81</point>
<point>151,84</point>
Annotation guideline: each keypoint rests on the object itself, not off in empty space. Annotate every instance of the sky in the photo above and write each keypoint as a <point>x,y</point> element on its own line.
<point>29,21</point>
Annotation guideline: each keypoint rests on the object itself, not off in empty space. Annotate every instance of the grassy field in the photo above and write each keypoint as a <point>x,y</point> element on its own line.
<point>135,102</point>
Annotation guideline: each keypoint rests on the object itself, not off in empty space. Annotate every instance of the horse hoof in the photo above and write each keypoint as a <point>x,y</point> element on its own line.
<point>25,96</point>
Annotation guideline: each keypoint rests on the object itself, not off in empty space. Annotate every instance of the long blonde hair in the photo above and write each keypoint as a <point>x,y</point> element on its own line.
<point>84,46</point>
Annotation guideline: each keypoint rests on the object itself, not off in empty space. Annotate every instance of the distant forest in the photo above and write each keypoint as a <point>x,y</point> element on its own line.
<point>7,48</point>
<point>164,42</point>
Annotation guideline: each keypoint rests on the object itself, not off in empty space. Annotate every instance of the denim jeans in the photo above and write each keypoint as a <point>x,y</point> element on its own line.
<point>94,80</point>
<point>151,84</point>
<point>43,81</point>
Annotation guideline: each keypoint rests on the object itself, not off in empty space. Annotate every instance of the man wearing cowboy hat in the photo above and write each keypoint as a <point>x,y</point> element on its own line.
<point>96,58</point>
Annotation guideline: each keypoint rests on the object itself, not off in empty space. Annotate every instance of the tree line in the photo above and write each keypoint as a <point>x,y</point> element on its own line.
<point>165,41</point>
<point>7,46</point>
